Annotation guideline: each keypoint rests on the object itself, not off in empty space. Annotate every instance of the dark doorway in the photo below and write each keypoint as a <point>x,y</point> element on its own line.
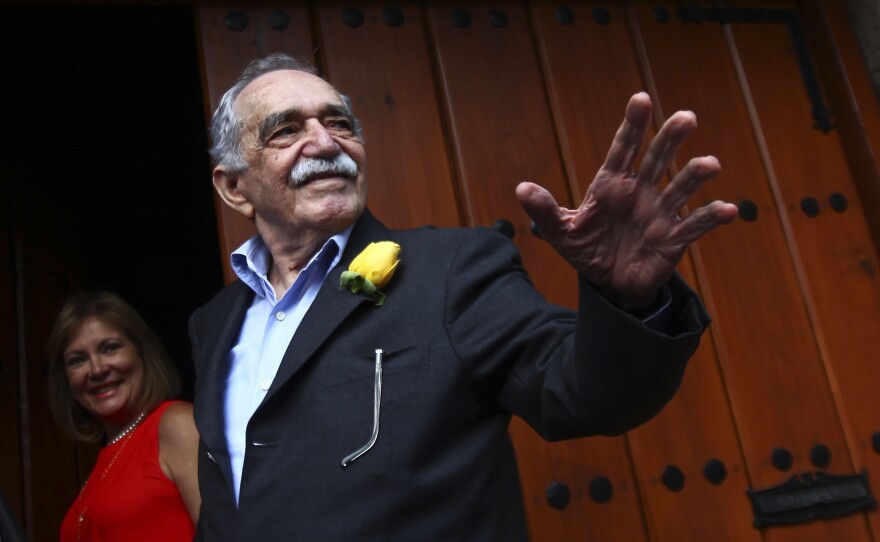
<point>103,160</point>
<point>104,184</point>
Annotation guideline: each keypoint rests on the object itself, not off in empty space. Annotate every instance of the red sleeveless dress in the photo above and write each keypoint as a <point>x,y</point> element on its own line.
<point>127,496</point>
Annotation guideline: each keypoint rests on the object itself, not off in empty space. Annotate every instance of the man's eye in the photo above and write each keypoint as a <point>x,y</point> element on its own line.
<point>284,132</point>
<point>340,124</point>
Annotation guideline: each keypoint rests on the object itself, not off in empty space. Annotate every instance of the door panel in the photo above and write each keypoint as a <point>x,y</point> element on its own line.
<point>769,355</point>
<point>410,177</point>
<point>845,78</point>
<point>490,97</point>
<point>231,37</point>
<point>592,63</point>
<point>831,247</point>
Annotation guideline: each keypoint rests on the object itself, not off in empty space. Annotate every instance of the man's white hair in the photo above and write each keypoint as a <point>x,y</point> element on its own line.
<point>225,126</point>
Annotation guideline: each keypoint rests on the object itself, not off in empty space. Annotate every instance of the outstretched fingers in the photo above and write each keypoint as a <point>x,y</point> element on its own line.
<point>685,184</point>
<point>703,220</point>
<point>665,145</point>
<point>628,139</point>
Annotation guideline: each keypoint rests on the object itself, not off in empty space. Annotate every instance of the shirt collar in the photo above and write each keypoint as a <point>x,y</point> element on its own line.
<point>252,259</point>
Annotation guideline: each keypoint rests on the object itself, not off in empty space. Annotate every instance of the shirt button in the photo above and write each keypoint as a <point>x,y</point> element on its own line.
<point>280,315</point>
<point>264,385</point>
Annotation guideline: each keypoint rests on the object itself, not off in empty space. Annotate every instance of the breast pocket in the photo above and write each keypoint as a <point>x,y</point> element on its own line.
<point>396,360</point>
<point>350,392</point>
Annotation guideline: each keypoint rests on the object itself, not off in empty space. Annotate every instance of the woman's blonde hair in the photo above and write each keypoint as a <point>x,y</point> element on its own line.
<point>161,380</point>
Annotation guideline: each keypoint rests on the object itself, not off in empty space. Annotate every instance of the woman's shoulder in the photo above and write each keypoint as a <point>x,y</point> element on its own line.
<point>177,420</point>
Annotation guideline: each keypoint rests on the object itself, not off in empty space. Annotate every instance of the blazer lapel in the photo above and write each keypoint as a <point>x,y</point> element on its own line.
<point>331,306</point>
<point>214,368</point>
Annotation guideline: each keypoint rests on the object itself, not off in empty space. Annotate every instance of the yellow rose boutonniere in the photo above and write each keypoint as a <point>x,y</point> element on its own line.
<point>372,269</point>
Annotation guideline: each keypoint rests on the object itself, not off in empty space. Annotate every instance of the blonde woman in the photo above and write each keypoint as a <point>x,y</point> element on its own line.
<point>111,381</point>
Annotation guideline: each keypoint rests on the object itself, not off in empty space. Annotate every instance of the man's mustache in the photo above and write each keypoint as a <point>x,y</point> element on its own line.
<point>308,168</point>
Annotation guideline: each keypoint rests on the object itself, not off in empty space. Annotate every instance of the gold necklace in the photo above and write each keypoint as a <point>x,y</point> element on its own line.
<point>125,434</point>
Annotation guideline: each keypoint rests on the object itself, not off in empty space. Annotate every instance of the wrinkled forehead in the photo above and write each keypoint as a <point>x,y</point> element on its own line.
<point>284,90</point>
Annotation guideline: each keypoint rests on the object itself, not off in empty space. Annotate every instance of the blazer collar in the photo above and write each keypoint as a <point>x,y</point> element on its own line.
<point>330,307</point>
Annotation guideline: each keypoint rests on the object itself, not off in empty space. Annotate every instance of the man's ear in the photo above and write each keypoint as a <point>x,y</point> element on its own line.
<point>226,183</point>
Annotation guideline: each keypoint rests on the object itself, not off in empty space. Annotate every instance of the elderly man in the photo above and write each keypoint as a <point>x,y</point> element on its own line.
<point>326,414</point>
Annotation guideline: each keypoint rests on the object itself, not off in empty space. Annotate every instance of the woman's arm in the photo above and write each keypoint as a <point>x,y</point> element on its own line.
<point>178,454</point>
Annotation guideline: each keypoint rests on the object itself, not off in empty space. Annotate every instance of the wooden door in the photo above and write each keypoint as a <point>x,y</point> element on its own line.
<point>776,376</point>
<point>461,102</point>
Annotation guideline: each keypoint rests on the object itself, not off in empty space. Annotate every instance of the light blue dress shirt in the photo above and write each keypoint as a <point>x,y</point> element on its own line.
<point>266,333</point>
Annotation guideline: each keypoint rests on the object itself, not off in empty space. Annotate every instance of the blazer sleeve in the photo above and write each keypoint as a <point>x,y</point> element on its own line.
<point>567,374</point>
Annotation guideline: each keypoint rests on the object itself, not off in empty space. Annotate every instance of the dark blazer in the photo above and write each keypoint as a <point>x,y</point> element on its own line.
<point>468,342</point>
